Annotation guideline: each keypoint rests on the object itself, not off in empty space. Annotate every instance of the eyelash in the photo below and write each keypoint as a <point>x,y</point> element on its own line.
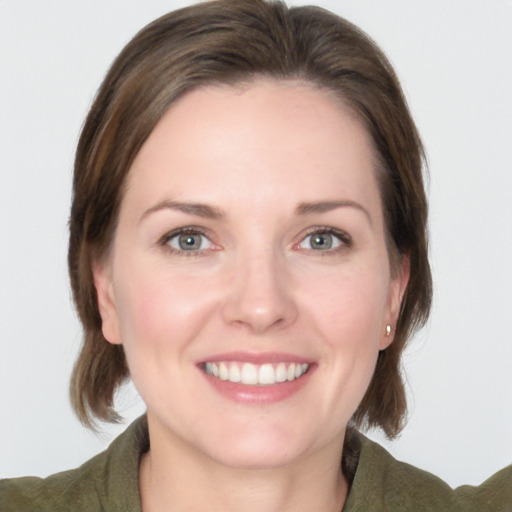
<point>343,237</point>
<point>189,230</point>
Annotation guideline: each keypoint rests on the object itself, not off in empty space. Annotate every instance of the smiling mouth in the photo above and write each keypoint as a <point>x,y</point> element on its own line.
<point>256,375</point>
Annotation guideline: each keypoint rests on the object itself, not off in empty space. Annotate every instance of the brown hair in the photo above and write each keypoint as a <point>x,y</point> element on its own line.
<point>227,42</point>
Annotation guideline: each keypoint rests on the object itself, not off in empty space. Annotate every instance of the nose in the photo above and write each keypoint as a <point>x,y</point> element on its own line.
<point>260,295</point>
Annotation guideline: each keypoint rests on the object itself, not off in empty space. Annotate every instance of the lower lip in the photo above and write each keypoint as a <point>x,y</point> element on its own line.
<point>258,394</point>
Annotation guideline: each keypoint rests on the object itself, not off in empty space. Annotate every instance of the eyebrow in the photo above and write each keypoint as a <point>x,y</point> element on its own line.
<point>197,209</point>
<point>211,212</point>
<point>327,206</point>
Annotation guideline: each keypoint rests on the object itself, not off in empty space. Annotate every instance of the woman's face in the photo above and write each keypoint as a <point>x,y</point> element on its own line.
<point>249,281</point>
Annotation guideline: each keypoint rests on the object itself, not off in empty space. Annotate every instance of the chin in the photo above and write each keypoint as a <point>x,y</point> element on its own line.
<point>257,456</point>
<point>258,448</point>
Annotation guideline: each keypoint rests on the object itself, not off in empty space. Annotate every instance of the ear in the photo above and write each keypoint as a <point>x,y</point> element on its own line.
<point>106,302</point>
<point>396,293</point>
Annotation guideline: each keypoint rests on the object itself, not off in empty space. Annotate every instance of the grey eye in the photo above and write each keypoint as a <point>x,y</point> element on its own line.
<point>189,242</point>
<point>320,241</point>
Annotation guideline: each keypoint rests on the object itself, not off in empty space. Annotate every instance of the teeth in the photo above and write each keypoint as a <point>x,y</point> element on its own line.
<point>234,373</point>
<point>267,375</point>
<point>223,371</point>
<point>281,374</point>
<point>291,372</point>
<point>250,374</point>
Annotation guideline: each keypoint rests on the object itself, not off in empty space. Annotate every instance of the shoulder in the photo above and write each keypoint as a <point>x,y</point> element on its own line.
<point>494,494</point>
<point>57,492</point>
<point>107,482</point>
<point>383,483</point>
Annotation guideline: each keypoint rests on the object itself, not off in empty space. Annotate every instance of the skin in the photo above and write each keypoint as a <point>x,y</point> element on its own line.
<point>256,285</point>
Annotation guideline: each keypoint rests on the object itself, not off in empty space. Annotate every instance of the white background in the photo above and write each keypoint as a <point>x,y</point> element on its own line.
<point>455,62</point>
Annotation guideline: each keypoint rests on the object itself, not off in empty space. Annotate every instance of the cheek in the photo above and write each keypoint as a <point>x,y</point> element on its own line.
<point>158,308</point>
<point>350,307</point>
<point>348,315</point>
<point>159,316</point>
<point>140,307</point>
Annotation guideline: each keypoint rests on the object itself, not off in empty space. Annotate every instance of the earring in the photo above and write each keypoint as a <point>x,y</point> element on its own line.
<point>388,330</point>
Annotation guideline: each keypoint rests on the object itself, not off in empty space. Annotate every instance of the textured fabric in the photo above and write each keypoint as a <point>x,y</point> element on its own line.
<point>495,494</point>
<point>109,483</point>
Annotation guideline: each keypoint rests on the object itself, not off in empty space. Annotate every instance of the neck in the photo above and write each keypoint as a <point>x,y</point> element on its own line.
<point>173,480</point>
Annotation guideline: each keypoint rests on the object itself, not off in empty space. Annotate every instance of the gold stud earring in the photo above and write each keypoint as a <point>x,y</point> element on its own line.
<point>388,330</point>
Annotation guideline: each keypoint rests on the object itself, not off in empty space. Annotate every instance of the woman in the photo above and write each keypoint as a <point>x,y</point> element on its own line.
<point>247,243</point>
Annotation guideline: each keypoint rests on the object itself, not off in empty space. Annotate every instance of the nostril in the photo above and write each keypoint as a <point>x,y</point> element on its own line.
<point>259,297</point>
<point>259,315</point>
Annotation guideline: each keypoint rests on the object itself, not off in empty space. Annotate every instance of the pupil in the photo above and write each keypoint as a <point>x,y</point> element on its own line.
<point>322,241</point>
<point>188,242</point>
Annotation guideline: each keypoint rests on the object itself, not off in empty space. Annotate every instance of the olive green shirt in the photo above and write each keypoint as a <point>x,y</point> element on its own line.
<point>109,483</point>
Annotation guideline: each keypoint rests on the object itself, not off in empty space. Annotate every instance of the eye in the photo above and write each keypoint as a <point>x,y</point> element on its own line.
<point>188,240</point>
<point>325,239</point>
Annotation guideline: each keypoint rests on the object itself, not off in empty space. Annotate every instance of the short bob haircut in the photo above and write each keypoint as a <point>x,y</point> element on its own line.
<point>233,42</point>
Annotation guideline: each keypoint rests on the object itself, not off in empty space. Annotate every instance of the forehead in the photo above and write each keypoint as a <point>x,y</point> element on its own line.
<point>279,137</point>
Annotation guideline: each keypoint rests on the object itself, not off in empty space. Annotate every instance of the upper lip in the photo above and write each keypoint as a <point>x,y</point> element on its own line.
<point>256,358</point>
